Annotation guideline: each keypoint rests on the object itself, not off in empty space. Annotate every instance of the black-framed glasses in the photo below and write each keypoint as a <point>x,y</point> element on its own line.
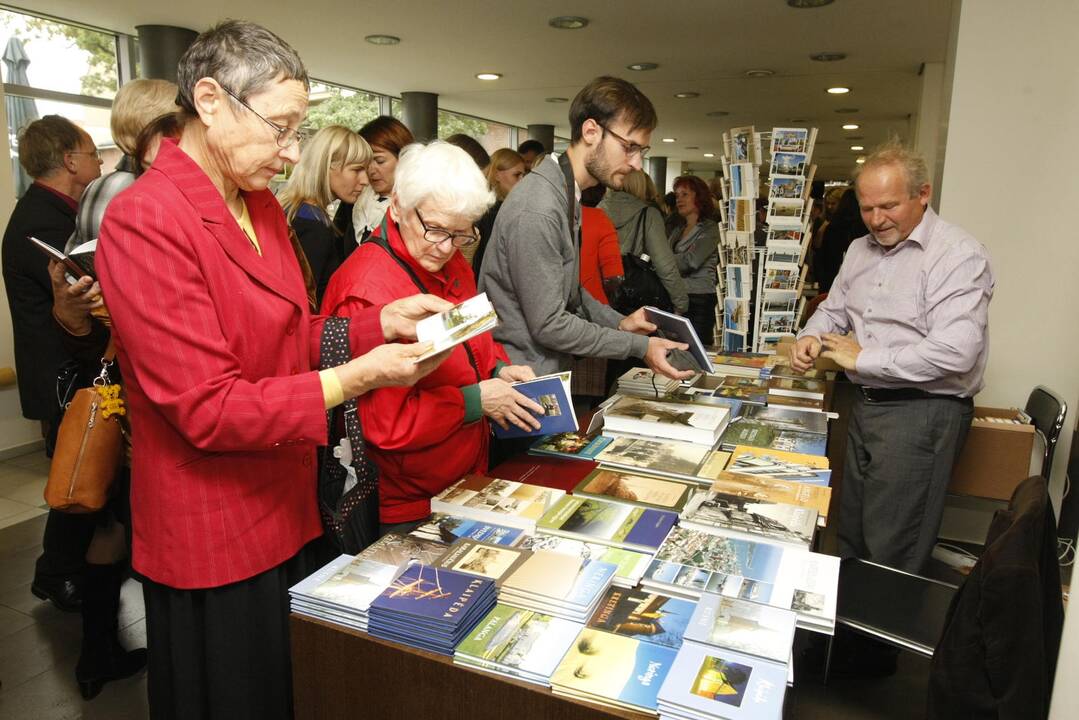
<point>630,147</point>
<point>286,136</point>
<point>438,235</point>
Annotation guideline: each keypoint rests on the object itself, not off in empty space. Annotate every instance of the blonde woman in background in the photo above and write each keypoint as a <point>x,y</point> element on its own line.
<point>332,167</point>
<point>504,171</point>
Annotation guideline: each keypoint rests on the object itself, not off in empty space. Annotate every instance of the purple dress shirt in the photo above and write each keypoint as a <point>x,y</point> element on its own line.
<point>920,310</point>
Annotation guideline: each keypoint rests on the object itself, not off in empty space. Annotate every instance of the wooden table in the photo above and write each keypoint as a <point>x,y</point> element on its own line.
<point>343,673</point>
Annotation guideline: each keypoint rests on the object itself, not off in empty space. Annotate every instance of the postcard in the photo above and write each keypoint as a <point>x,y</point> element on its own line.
<point>473,317</point>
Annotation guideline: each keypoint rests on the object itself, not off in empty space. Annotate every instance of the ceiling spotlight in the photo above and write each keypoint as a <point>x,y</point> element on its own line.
<point>556,100</point>
<point>669,139</point>
<point>642,66</point>
<point>856,148</point>
<point>687,95</point>
<point>568,22</point>
<point>383,39</point>
<point>488,76</point>
<point>808,4</point>
<point>851,126</point>
<point>848,111</point>
<point>760,73</point>
<point>717,113</point>
<point>709,154</point>
<point>838,90</point>
<point>828,57</point>
<point>860,161</point>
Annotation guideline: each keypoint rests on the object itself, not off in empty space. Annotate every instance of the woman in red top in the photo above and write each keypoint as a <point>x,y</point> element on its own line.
<point>426,437</point>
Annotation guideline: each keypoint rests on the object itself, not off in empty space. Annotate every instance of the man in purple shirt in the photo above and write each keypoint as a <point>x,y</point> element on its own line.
<point>908,320</point>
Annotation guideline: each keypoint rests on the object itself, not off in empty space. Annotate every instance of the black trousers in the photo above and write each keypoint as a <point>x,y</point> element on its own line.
<point>899,461</point>
<point>224,652</point>
<point>702,313</point>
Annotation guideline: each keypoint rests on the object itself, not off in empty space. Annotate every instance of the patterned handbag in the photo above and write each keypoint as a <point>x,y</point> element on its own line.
<point>347,479</point>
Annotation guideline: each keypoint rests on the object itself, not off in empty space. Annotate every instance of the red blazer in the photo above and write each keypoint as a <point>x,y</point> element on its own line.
<point>423,438</point>
<point>601,255</point>
<point>216,346</point>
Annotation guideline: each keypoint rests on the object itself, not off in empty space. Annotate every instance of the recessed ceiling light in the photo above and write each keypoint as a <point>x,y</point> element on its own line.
<point>851,126</point>
<point>383,39</point>
<point>760,73</point>
<point>828,57</point>
<point>687,95</point>
<point>568,22</point>
<point>856,148</point>
<point>709,154</point>
<point>860,161</point>
<point>488,76</point>
<point>848,111</point>
<point>808,4</point>
<point>838,90</point>
<point>669,139</point>
<point>556,99</point>
<point>642,66</point>
<point>717,113</point>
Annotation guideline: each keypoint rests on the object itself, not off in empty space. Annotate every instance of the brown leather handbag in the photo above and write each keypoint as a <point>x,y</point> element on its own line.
<point>89,447</point>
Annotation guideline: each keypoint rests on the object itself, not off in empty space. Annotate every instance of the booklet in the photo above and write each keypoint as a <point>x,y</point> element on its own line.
<point>553,393</point>
<point>473,317</point>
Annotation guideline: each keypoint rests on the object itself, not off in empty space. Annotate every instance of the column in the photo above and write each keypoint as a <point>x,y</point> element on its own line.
<point>543,133</point>
<point>160,49</point>
<point>657,170</point>
<point>420,114</point>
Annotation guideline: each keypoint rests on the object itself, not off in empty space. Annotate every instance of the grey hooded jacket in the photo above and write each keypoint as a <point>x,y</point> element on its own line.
<point>531,274</point>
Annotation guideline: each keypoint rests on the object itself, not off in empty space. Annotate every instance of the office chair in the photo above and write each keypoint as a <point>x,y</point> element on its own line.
<point>1047,410</point>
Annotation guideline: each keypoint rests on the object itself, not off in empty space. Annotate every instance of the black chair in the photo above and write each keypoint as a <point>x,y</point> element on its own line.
<point>1047,410</point>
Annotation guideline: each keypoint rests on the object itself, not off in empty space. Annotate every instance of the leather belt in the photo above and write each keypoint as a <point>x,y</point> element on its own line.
<point>876,395</point>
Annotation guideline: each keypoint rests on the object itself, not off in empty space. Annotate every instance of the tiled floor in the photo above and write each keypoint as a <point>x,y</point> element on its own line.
<point>39,645</point>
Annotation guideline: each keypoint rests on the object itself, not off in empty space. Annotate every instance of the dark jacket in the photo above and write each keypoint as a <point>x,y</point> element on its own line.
<point>997,656</point>
<point>325,243</point>
<point>39,351</point>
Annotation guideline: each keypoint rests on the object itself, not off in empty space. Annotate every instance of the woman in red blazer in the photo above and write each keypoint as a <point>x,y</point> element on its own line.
<point>218,350</point>
<point>426,437</point>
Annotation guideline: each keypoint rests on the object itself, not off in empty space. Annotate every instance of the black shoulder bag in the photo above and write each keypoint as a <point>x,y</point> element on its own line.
<point>348,479</point>
<point>641,285</point>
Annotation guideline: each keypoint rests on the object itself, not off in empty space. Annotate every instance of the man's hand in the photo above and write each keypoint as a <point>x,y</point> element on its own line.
<point>637,323</point>
<point>506,406</point>
<point>516,373</point>
<point>656,357</point>
<point>400,316</point>
<point>804,353</point>
<point>393,364</point>
<point>72,303</point>
<point>844,349</point>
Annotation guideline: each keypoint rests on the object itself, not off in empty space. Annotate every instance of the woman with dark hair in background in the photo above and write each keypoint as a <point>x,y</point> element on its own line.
<point>471,146</point>
<point>387,137</point>
<point>843,228</point>
<point>505,170</point>
<point>696,250</point>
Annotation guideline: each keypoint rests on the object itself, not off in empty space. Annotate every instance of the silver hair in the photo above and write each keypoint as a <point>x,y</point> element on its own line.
<point>241,56</point>
<point>444,174</point>
<point>894,152</point>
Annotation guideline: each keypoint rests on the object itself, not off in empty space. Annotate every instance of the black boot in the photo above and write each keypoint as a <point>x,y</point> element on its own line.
<point>103,658</point>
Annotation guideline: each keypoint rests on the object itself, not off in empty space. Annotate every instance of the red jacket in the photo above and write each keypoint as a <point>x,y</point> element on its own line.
<point>423,438</point>
<point>601,255</point>
<point>216,345</point>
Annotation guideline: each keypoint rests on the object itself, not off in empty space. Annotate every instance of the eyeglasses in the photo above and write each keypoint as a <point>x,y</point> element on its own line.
<point>286,136</point>
<point>631,148</point>
<point>438,235</point>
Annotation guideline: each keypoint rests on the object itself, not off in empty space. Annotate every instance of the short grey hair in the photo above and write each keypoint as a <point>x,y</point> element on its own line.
<point>894,152</point>
<point>241,56</point>
<point>445,175</point>
<point>43,144</point>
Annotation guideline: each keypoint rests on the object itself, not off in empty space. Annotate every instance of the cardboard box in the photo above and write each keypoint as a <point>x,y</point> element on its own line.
<point>995,458</point>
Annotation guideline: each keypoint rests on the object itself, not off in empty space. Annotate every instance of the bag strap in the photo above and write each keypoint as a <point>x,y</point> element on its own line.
<point>571,210</point>
<point>334,350</point>
<point>642,223</point>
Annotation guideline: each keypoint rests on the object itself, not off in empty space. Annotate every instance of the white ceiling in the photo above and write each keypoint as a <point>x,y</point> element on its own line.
<point>703,46</point>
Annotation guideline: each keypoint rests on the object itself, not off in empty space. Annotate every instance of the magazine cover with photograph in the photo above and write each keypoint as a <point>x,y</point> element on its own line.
<point>668,457</point>
<point>641,615</point>
<point>710,682</point>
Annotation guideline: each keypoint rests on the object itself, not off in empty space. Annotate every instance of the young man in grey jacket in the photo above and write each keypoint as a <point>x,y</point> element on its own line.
<point>531,271</point>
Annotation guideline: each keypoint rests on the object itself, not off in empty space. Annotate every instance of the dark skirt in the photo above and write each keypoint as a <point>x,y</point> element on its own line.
<point>224,652</point>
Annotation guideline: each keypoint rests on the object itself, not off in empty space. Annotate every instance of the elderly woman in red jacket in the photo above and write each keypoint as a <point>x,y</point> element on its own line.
<point>424,438</point>
<point>219,354</point>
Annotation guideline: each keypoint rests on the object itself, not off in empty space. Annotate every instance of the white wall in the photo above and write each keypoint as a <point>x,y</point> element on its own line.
<point>1010,178</point>
<point>15,431</point>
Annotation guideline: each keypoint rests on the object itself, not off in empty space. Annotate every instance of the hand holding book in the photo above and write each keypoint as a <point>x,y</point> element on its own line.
<point>72,303</point>
<point>507,407</point>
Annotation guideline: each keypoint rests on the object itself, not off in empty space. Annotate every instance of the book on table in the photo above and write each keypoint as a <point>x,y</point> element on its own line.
<point>751,391</point>
<point>644,381</point>
<point>762,434</point>
<point>766,488</point>
<point>572,445</point>
<point>608,523</point>
<point>552,392</point>
<point>788,419</point>
<point>707,682</point>
<point>796,387</point>
<point>750,628</point>
<point>801,404</point>
<point>517,643</point>
<point>462,322</point>
<point>672,420</point>
<point>630,565</point>
<point>647,491</point>
<point>558,584</point>
<point>484,559</point>
<point>744,364</point>
<point>737,516</point>
<point>495,500</point>
<point>450,528</point>
<point>671,458</point>
<point>641,615</point>
<point>799,467</point>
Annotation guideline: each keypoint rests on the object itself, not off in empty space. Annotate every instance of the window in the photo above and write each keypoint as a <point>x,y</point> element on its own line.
<point>491,135</point>
<point>337,105</point>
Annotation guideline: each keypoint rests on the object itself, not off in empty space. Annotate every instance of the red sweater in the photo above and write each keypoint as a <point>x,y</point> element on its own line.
<point>601,256</point>
<point>423,438</point>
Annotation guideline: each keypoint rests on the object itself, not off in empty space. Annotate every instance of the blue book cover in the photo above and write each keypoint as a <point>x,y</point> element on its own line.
<point>574,445</point>
<point>612,666</point>
<point>714,682</point>
<point>552,392</point>
<point>651,528</point>
<point>443,595</point>
<point>642,615</point>
<point>450,528</point>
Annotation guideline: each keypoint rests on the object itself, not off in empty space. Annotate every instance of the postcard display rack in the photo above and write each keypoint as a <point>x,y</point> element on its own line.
<point>758,315</point>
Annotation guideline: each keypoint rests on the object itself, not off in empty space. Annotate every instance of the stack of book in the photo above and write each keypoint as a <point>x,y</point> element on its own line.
<point>669,458</point>
<point>558,584</point>
<point>572,445</point>
<point>736,516</point>
<point>707,682</point>
<point>474,557</point>
<point>505,502</point>
<point>794,466</point>
<point>798,393</point>
<point>701,424</point>
<point>773,489</point>
<point>789,419</point>
<point>645,383</point>
<point>517,643</point>
<point>430,608</point>
<point>449,529</point>
<point>741,364</point>
<point>766,633</point>
<point>630,565</point>
<point>641,615</point>
<point>750,391</point>
<point>608,523</point>
<point>750,432</point>
<point>647,491</point>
